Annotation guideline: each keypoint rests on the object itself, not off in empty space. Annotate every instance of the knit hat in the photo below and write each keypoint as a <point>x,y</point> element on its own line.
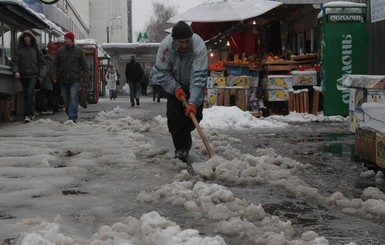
<point>181,30</point>
<point>70,36</point>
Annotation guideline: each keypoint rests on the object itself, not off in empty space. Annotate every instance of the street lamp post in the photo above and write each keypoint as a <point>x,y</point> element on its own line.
<point>109,28</point>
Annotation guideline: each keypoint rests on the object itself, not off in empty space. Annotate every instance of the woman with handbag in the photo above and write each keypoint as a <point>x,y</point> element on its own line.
<point>111,79</point>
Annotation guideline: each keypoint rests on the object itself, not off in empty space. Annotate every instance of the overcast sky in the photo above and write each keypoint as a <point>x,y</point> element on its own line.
<point>142,10</point>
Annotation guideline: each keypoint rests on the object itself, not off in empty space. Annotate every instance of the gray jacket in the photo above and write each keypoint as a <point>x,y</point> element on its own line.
<point>188,71</point>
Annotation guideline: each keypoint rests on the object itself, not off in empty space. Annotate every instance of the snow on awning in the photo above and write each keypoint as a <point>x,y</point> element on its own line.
<point>226,10</point>
<point>30,18</point>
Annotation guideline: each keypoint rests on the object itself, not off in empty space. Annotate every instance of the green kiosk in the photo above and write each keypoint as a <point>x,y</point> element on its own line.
<point>343,51</point>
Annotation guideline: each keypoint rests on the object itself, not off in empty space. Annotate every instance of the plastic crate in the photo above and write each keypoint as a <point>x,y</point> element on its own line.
<point>237,70</point>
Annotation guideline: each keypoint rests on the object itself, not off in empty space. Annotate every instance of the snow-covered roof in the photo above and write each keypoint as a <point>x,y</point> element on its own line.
<point>342,7</point>
<point>39,16</point>
<point>130,45</point>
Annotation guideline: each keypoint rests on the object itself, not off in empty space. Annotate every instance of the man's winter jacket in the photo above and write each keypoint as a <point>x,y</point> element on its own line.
<point>133,72</point>
<point>70,64</point>
<point>188,71</point>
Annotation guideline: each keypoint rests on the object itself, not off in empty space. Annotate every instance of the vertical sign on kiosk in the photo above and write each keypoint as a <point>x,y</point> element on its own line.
<point>343,51</point>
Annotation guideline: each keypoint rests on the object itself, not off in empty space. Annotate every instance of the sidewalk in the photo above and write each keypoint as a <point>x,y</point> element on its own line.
<point>146,110</point>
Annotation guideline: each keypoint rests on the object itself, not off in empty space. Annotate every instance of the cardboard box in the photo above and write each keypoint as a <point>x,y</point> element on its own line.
<point>217,73</point>
<point>277,95</point>
<point>239,81</point>
<point>213,82</point>
<point>304,78</point>
<point>233,96</point>
<point>356,98</point>
<point>366,81</point>
<point>380,149</point>
<point>211,97</point>
<point>365,144</point>
<point>375,96</point>
<point>356,118</point>
<point>278,82</point>
<point>374,115</point>
<point>254,78</point>
<point>237,70</point>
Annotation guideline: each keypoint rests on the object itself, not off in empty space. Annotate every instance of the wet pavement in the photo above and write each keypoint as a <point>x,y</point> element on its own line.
<point>327,147</point>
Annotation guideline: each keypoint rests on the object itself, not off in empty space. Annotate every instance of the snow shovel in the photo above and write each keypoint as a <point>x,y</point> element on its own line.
<point>199,129</point>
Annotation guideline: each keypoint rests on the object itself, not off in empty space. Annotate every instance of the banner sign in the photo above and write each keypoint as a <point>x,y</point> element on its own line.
<point>346,18</point>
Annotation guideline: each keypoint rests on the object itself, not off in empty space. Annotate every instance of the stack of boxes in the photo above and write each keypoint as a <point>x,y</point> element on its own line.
<point>213,82</point>
<point>289,90</point>
<point>232,88</point>
<point>367,116</point>
<point>366,101</point>
<point>277,87</point>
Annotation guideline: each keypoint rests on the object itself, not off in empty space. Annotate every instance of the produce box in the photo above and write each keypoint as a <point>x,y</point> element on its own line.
<point>237,70</point>
<point>278,82</point>
<point>277,94</point>
<point>254,78</point>
<point>365,144</point>
<point>233,96</point>
<point>213,82</point>
<point>217,73</point>
<point>358,96</point>
<point>374,115</point>
<point>304,78</point>
<point>356,118</point>
<point>241,81</point>
<point>356,99</point>
<point>375,96</point>
<point>211,97</point>
<point>380,149</point>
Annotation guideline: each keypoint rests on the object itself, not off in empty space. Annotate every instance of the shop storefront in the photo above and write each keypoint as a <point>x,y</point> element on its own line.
<point>253,63</point>
<point>14,19</point>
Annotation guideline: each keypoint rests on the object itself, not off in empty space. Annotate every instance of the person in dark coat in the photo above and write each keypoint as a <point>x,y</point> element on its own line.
<point>134,74</point>
<point>144,83</point>
<point>46,85</point>
<point>28,65</point>
<point>157,90</point>
<point>70,65</point>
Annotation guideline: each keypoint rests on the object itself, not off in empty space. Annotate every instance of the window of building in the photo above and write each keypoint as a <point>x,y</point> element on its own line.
<point>5,43</point>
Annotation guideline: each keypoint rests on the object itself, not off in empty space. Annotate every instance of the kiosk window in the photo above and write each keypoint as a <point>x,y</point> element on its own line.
<point>5,43</point>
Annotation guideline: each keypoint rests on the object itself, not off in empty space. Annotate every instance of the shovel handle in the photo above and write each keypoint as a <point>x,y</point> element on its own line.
<point>199,129</point>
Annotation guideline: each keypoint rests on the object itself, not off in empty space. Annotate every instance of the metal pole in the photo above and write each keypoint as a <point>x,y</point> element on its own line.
<point>108,34</point>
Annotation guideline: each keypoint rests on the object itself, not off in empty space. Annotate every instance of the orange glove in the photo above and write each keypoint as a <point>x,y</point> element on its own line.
<point>179,92</point>
<point>190,109</point>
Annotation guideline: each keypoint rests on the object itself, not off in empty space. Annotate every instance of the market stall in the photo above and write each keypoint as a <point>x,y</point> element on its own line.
<point>247,59</point>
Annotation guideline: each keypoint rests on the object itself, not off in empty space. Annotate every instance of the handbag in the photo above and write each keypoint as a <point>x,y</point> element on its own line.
<point>83,96</point>
<point>117,82</point>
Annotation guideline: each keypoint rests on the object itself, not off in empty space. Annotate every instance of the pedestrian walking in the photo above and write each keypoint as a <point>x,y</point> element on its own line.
<point>144,83</point>
<point>111,79</point>
<point>47,85</point>
<point>28,65</point>
<point>182,66</point>
<point>134,74</point>
<point>70,65</point>
<point>157,90</point>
